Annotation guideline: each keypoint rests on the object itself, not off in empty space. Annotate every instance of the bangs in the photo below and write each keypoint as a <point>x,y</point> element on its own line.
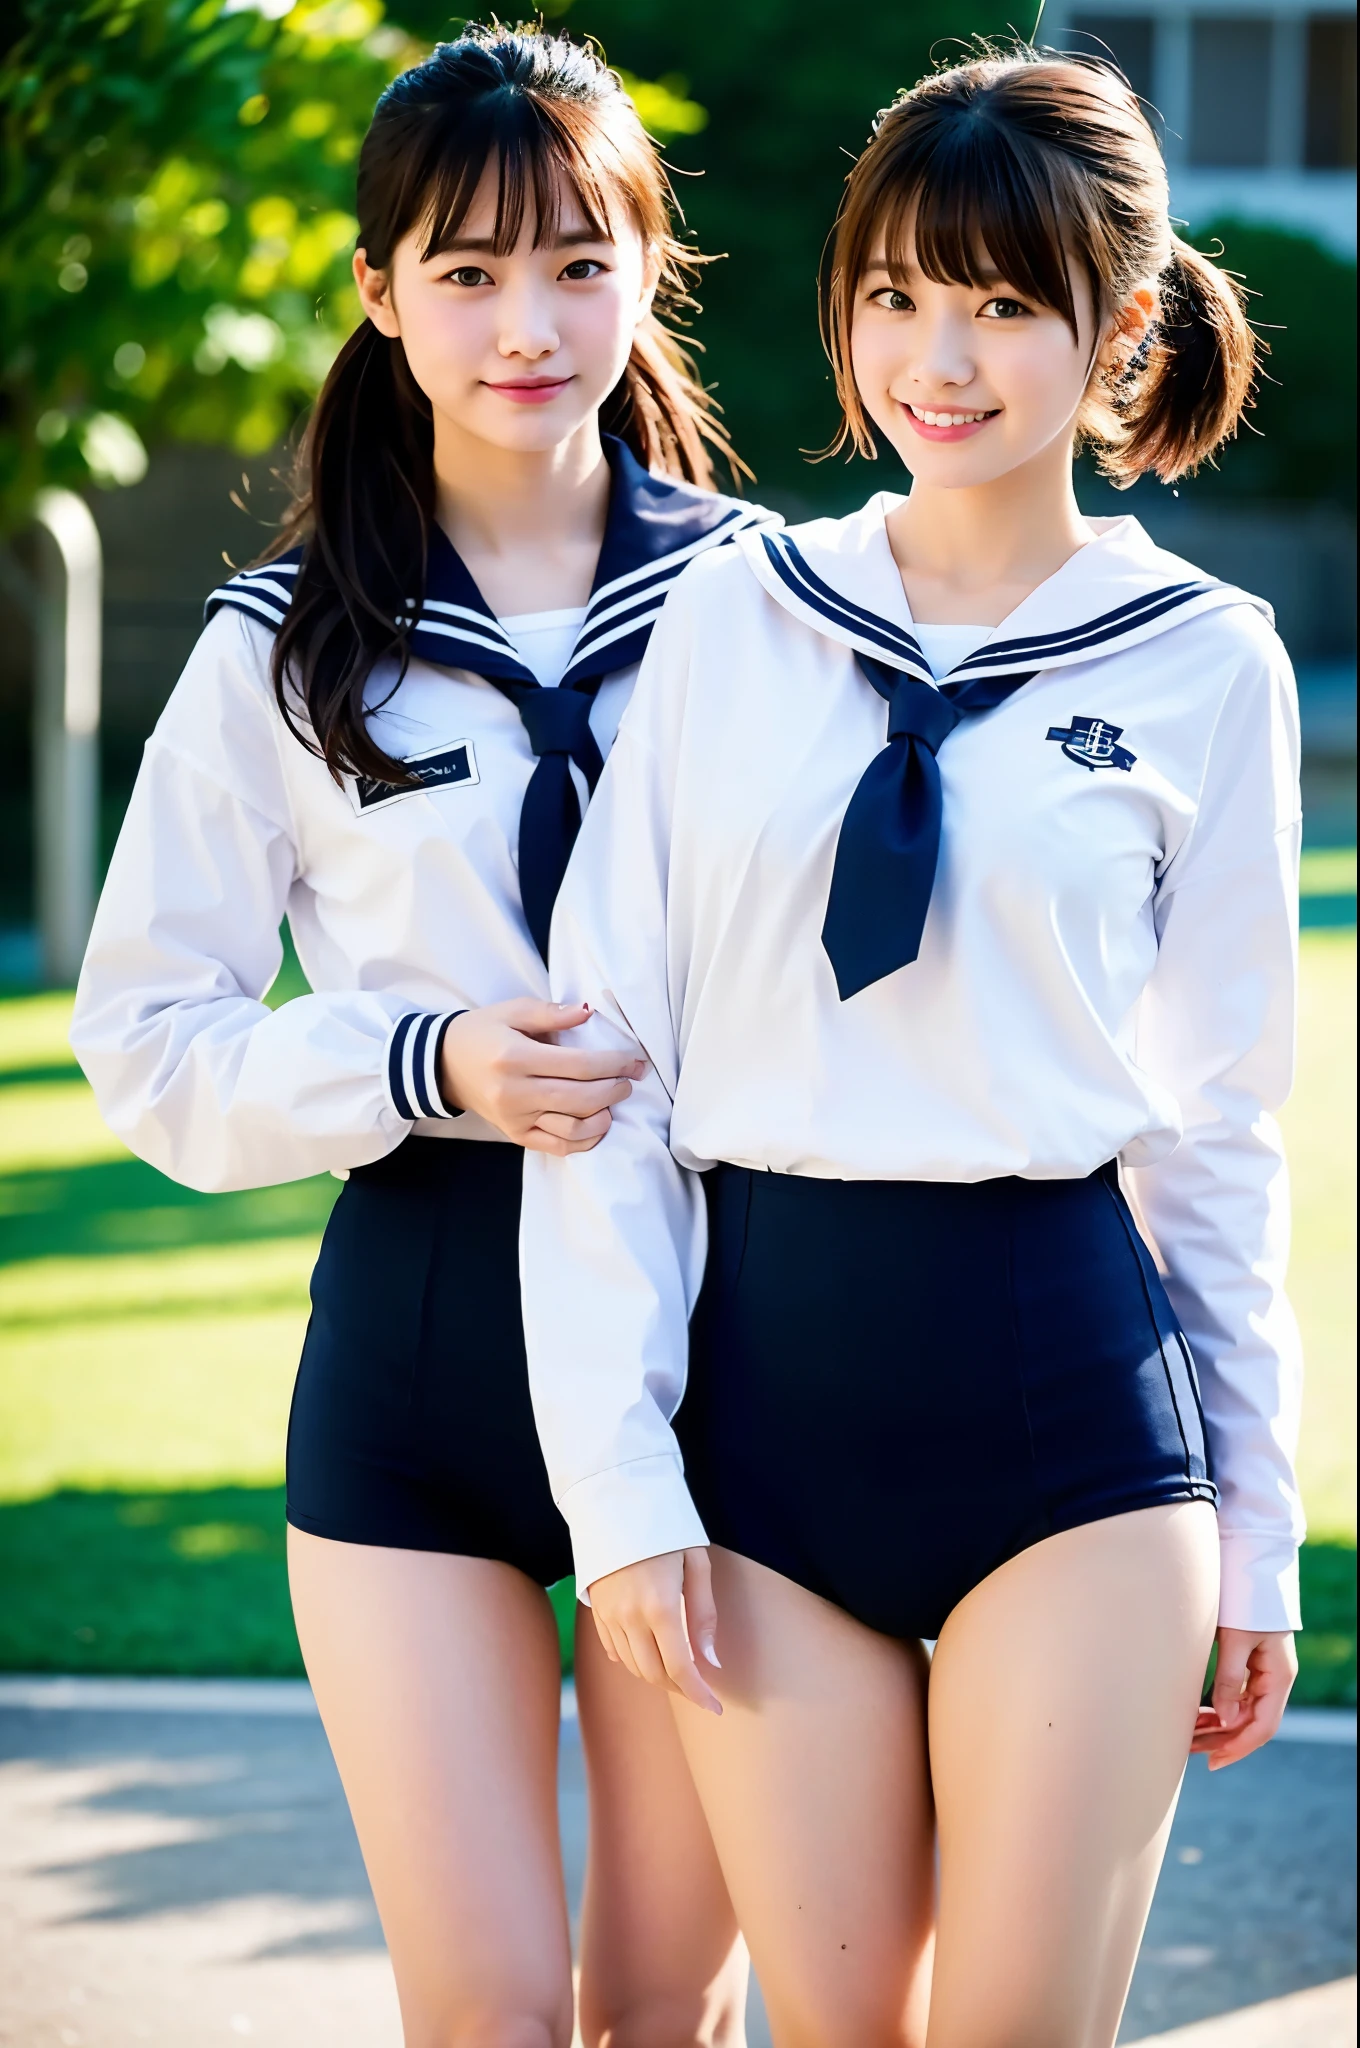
<point>971,207</point>
<point>541,169</point>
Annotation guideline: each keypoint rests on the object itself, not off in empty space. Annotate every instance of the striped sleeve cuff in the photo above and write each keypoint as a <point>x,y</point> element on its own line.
<point>413,1064</point>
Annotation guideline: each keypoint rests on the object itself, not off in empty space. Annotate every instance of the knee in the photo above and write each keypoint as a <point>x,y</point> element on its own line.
<point>499,2029</point>
<point>669,2022</point>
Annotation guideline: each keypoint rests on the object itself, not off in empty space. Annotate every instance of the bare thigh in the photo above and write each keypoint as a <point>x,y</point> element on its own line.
<point>816,1788</point>
<point>438,1683</point>
<point>1062,1699</point>
<point>662,1962</point>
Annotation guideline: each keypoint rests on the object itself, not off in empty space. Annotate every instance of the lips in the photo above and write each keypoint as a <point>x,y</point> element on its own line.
<point>530,390</point>
<point>956,424</point>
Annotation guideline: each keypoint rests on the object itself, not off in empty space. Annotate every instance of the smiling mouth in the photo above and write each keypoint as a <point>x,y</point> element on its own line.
<point>927,418</point>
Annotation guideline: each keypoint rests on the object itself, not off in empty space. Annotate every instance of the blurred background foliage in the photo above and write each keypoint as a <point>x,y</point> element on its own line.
<point>176,225</point>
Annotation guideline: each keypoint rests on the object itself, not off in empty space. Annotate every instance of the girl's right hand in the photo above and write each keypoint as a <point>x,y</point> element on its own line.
<point>500,1062</point>
<point>654,1616</point>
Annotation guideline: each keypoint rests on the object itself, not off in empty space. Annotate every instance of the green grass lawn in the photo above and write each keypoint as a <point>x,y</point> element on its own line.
<point>148,1338</point>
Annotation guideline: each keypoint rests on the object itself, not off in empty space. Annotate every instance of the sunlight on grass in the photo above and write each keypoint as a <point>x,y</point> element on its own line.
<point>209,1280</point>
<point>1319,1128</point>
<point>52,1123</point>
<point>33,1032</point>
<point>1327,871</point>
<point>148,1402</point>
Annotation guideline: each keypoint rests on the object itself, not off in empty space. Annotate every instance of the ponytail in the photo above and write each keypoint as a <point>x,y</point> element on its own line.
<point>364,502</point>
<point>1200,369</point>
<point>548,115</point>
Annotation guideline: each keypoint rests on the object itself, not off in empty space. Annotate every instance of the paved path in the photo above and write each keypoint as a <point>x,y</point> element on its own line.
<point>177,1868</point>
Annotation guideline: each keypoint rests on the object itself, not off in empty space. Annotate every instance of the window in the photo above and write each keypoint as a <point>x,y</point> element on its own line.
<point>1329,120</point>
<point>1125,37</point>
<point>1229,91</point>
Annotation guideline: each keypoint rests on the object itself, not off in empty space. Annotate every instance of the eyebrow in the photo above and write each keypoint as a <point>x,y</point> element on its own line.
<point>485,245</point>
<point>983,280</point>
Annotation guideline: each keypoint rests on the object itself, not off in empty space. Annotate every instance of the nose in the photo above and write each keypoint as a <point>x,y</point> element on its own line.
<point>943,353</point>
<point>527,326</point>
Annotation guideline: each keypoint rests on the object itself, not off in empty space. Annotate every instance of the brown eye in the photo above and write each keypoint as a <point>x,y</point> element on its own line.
<point>583,268</point>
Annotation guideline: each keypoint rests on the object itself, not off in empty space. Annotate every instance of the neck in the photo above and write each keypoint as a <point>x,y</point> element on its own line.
<point>970,556</point>
<point>510,510</point>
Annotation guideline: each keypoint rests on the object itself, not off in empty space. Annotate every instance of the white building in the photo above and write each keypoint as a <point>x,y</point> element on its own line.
<point>1255,102</point>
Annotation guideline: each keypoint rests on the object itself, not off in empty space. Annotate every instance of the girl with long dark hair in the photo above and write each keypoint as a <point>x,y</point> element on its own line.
<point>387,734</point>
<point>945,872</point>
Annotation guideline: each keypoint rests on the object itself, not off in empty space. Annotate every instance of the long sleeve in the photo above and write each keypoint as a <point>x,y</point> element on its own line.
<point>613,1241</point>
<point>1216,1026</point>
<point>189,1065</point>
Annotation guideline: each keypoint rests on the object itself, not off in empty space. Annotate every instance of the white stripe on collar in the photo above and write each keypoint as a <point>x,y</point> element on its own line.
<point>839,578</point>
<point>617,622</point>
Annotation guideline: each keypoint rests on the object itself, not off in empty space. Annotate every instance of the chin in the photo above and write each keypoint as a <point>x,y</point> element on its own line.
<point>532,431</point>
<point>959,468</point>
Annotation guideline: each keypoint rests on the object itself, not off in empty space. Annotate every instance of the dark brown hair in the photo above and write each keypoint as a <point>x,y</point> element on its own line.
<point>555,122</point>
<point>1028,163</point>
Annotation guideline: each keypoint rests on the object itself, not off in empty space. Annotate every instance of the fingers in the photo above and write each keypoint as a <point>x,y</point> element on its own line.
<point>1251,1687</point>
<point>1230,1676</point>
<point>577,1063</point>
<point>585,1134</point>
<point>643,1607</point>
<point>605,1636</point>
<point>575,1098</point>
<point>673,1646</point>
<point>701,1612</point>
<point>537,1019</point>
<point>540,1021</point>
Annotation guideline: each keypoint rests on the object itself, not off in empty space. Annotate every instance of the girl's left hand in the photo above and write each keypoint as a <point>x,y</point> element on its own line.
<point>1251,1684</point>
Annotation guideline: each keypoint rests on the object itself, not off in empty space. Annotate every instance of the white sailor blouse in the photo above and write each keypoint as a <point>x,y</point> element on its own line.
<point>405,905</point>
<point>1102,967</point>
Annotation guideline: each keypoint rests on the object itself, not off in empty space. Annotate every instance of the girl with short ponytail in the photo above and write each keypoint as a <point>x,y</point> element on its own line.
<point>946,875</point>
<point>388,733</point>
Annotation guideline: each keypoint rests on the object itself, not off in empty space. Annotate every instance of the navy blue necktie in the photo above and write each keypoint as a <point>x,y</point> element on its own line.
<point>889,845</point>
<point>558,724</point>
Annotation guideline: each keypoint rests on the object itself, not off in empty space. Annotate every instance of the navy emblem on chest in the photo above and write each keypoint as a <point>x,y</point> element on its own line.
<point>1092,742</point>
<point>442,768</point>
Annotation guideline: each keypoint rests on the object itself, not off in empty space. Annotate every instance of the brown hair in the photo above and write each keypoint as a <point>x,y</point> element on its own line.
<point>554,121</point>
<point>1029,162</point>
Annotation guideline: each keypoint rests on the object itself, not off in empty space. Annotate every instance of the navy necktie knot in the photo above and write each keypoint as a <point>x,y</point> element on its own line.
<point>889,845</point>
<point>558,722</point>
<point>917,711</point>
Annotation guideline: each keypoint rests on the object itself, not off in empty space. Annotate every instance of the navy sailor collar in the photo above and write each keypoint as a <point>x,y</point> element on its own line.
<point>839,577</point>
<point>653,528</point>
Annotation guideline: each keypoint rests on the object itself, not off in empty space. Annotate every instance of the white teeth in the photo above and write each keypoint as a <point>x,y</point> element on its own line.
<point>947,419</point>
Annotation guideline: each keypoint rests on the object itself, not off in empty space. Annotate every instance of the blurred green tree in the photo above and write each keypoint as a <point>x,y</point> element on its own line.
<point>175,224</point>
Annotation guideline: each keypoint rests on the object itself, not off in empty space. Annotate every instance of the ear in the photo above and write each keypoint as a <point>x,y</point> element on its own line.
<point>651,278</point>
<point>375,295</point>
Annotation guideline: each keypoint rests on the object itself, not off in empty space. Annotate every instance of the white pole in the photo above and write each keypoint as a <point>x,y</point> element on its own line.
<point>66,732</point>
